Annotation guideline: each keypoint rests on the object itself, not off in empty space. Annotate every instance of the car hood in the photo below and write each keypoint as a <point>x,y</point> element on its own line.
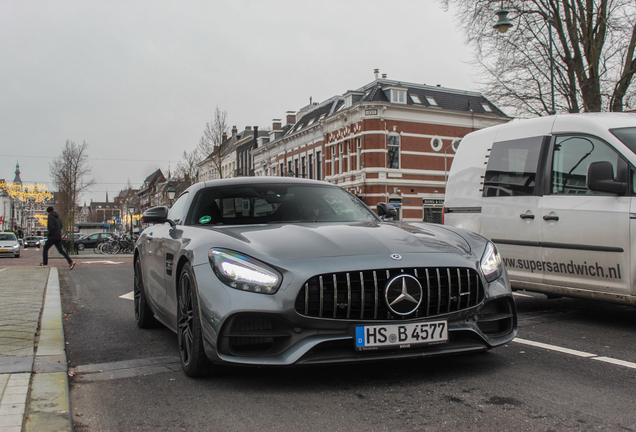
<point>307,241</point>
<point>7,243</point>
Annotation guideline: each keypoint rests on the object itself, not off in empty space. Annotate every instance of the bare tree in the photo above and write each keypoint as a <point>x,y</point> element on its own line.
<point>186,171</point>
<point>594,58</point>
<point>68,172</point>
<point>211,145</point>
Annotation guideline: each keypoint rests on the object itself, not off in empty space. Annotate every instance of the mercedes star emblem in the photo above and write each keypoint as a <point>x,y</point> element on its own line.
<point>403,294</point>
<point>396,257</point>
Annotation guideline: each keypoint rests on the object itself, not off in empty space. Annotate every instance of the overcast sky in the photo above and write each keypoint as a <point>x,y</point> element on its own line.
<point>138,80</point>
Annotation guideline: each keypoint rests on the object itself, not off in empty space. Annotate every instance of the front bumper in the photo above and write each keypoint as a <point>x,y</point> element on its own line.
<point>254,329</point>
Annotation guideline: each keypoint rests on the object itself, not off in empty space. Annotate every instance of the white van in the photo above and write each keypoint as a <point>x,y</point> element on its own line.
<point>558,196</point>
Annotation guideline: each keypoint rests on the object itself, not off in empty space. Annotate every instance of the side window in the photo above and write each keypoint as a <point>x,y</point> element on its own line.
<point>571,157</point>
<point>512,167</point>
<point>176,212</point>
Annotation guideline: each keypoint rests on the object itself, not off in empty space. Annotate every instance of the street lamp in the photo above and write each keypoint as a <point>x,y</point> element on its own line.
<point>131,211</point>
<point>171,193</point>
<point>503,24</point>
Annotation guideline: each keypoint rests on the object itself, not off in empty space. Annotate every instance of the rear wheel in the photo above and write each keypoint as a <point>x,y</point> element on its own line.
<point>193,359</point>
<point>143,314</point>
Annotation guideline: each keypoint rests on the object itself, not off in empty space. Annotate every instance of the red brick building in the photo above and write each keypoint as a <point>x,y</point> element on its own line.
<point>388,141</point>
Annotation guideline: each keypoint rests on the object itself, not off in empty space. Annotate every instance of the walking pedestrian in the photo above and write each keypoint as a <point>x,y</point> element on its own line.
<point>54,227</point>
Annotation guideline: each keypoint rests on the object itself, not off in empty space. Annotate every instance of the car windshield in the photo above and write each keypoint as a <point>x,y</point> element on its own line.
<point>627,136</point>
<point>7,236</point>
<point>33,238</point>
<point>275,203</point>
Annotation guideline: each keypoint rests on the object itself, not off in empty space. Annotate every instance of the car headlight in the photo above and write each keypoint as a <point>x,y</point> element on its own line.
<point>491,263</point>
<point>16,246</point>
<point>244,273</point>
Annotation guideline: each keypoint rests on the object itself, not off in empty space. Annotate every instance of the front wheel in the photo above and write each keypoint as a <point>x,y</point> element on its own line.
<point>193,359</point>
<point>81,247</point>
<point>143,314</point>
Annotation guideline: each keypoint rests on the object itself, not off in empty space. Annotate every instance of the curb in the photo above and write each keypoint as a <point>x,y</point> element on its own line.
<point>48,404</point>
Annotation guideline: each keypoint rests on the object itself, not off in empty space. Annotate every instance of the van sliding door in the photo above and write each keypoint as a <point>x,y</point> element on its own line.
<point>510,211</point>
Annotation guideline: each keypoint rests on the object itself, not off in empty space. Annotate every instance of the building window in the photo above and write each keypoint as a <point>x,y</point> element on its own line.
<point>431,101</point>
<point>398,96</point>
<point>303,168</point>
<point>289,166</point>
<point>296,167</point>
<point>346,160</point>
<point>394,151</point>
<point>318,166</point>
<point>358,153</point>
<point>282,169</point>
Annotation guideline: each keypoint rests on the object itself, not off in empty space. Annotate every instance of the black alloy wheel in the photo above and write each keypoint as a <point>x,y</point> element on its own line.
<point>193,359</point>
<point>143,314</point>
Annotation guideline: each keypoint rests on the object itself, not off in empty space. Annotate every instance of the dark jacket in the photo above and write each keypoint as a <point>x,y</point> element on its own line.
<point>54,226</point>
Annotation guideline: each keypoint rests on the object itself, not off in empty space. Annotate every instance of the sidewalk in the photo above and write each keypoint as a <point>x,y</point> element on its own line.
<point>34,394</point>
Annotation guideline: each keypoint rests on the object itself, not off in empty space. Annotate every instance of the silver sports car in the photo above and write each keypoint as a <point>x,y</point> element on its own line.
<point>279,271</point>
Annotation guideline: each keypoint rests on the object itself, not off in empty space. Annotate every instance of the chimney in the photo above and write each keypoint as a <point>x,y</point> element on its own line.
<point>255,136</point>
<point>376,72</point>
<point>234,132</point>
<point>383,76</point>
<point>248,128</point>
<point>291,117</point>
<point>277,124</point>
<point>224,138</point>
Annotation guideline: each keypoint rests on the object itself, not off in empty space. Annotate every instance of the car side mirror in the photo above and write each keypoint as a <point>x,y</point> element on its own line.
<point>386,211</point>
<point>157,215</point>
<point>600,178</point>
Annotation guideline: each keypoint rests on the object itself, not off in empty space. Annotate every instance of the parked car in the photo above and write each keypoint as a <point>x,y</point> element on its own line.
<point>32,241</point>
<point>557,196</point>
<point>91,240</point>
<point>279,271</point>
<point>9,245</point>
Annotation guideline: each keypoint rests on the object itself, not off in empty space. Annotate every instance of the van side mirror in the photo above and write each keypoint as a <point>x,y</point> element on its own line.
<point>157,215</point>
<point>600,178</point>
<point>386,211</point>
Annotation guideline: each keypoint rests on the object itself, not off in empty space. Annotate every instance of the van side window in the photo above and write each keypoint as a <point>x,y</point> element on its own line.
<point>512,167</point>
<point>571,157</point>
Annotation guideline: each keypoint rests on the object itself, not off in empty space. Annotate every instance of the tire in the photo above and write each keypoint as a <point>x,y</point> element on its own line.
<point>81,246</point>
<point>190,337</point>
<point>143,314</point>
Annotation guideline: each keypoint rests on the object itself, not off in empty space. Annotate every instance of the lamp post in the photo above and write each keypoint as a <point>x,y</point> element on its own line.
<point>171,193</point>
<point>131,211</point>
<point>503,24</point>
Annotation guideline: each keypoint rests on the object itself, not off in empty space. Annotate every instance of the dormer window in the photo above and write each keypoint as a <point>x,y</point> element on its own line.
<point>398,96</point>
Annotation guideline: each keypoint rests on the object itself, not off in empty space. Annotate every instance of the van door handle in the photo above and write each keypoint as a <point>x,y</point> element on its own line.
<point>550,218</point>
<point>526,216</point>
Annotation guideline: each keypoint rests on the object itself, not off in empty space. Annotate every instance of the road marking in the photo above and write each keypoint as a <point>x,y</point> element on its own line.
<point>125,369</point>
<point>129,296</point>
<point>102,262</point>
<point>576,353</point>
<point>1,270</point>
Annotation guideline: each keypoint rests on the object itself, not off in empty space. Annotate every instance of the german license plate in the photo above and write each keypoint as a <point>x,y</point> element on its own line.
<point>400,335</point>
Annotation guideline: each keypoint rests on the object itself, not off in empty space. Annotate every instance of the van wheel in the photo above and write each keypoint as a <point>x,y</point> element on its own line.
<point>193,359</point>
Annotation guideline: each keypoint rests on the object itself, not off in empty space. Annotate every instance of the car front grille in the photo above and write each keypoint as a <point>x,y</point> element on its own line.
<point>360,295</point>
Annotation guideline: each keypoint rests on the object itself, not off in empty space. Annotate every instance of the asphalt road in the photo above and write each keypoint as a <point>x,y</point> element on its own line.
<point>126,378</point>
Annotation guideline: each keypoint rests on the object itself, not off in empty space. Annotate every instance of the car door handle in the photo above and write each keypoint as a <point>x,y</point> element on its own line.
<point>550,218</point>
<point>526,216</point>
